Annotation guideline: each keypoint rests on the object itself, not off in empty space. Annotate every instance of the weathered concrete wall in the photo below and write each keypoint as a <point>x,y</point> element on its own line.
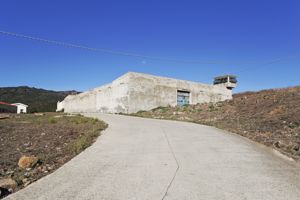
<point>147,92</point>
<point>113,98</point>
<point>133,92</point>
<point>84,102</point>
<point>110,98</point>
<point>60,106</point>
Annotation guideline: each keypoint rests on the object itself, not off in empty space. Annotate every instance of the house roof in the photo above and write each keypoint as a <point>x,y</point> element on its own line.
<point>19,104</point>
<point>4,103</point>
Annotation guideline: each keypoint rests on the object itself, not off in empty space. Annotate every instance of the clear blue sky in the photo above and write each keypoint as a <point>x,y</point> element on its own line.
<point>237,37</point>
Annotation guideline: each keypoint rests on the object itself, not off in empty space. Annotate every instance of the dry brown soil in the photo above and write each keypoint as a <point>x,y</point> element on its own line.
<point>53,138</point>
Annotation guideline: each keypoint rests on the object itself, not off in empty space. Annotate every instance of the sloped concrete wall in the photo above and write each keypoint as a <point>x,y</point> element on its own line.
<point>113,98</point>
<point>60,106</point>
<point>133,92</point>
<point>84,102</point>
<point>110,98</point>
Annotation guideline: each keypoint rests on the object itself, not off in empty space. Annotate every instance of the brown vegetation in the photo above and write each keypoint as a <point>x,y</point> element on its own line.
<point>34,145</point>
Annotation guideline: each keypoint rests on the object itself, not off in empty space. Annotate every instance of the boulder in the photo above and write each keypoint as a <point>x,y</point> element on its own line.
<point>27,162</point>
<point>3,116</point>
<point>8,184</point>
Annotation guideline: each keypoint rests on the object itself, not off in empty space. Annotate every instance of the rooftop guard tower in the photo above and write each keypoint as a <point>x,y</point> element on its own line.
<point>229,81</point>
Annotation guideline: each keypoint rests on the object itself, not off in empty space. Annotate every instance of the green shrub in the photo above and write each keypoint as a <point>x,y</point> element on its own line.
<point>53,121</point>
<point>161,109</point>
<point>80,120</point>
<point>79,144</point>
<point>211,108</point>
<point>141,111</point>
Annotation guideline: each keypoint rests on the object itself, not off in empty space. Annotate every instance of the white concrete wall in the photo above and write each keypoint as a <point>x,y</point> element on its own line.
<point>133,92</point>
<point>147,92</point>
<point>110,98</point>
<point>60,106</point>
<point>113,98</point>
<point>21,109</point>
<point>84,102</point>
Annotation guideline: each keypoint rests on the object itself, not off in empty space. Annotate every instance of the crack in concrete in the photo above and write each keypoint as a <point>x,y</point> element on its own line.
<point>177,163</point>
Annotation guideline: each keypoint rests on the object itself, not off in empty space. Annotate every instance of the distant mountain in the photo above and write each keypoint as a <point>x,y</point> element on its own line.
<point>38,100</point>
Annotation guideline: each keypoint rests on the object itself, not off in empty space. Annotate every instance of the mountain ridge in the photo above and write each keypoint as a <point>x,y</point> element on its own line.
<point>37,99</point>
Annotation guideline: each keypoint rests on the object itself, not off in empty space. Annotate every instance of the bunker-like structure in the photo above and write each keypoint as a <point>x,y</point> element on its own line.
<point>134,92</point>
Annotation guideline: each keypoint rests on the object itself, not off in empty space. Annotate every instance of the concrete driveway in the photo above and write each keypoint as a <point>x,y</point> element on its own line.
<point>139,159</point>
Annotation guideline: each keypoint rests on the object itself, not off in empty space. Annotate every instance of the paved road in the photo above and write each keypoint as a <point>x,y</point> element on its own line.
<point>139,159</point>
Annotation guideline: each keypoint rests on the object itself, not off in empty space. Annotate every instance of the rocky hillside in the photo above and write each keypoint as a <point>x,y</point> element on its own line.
<point>39,100</point>
<point>270,117</point>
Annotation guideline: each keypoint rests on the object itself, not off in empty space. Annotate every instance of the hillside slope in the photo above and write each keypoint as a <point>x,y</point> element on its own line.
<point>271,117</point>
<point>39,100</point>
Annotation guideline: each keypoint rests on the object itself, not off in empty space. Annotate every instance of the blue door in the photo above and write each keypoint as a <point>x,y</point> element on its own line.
<point>183,98</point>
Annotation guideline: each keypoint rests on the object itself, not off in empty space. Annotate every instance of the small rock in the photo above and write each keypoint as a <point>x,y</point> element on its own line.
<point>296,148</point>
<point>8,183</point>
<point>42,168</point>
<point>27,162</point>
<point>25,180</point>
<point>27,183</point>
<point>277,144</point>
<point>39,114</point>
<point>26,174</point>
<point>27,144</point>
<point>9,172</point>
<point>39,169</point>
<point>42,134</point>
<point>28,169</point>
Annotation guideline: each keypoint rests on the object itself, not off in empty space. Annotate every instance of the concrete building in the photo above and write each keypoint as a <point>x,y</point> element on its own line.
<point>21,108</point>
<point>133,92</point>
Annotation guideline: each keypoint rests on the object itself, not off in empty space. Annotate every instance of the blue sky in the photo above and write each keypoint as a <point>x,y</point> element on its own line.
<point>258,40</point>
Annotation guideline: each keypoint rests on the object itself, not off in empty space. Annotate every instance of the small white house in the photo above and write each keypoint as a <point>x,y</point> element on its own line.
<point>21,108</point>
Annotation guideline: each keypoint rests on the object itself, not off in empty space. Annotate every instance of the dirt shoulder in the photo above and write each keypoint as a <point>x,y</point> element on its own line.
<point>46,141</point>
<point>270,117</point>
